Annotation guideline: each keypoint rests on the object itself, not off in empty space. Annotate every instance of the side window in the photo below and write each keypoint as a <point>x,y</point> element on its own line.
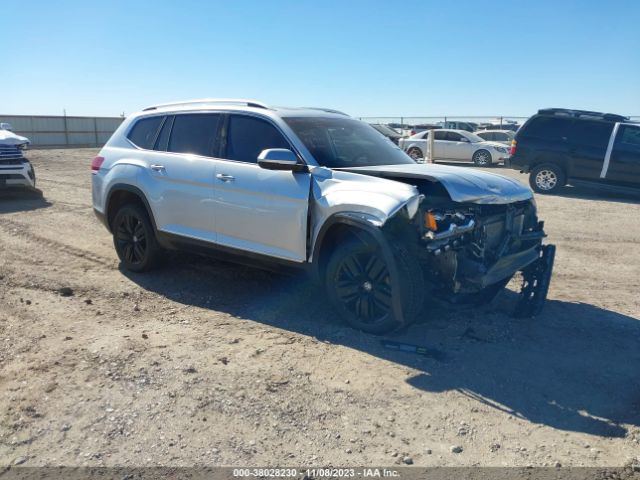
<point>440,135</point>
<point>194,133</point>
<point>454,137</point>
<point>143,133</point>
<point>162,141</point>
<point>500,136</point>
<point>488,136</point>
<point>248,136</point>
<point>551,128</point>
<point>628,138</point>
<point>595,134</point>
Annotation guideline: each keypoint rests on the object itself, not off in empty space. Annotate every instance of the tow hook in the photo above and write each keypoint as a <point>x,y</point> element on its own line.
<point>535,284</point>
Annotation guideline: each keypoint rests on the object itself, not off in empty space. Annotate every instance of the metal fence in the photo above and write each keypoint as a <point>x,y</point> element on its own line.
<point>63,131</point>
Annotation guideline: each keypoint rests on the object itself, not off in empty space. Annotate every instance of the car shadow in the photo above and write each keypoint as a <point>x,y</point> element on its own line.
<point>574,368</point>
<point>22,200</point>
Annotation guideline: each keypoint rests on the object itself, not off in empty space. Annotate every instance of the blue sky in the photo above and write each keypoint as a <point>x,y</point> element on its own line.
<point>368,58</point>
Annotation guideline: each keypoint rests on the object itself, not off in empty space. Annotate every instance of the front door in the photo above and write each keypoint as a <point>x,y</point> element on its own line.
<point>624,163</point>
<point>258,210</point>
<point>458,146</point>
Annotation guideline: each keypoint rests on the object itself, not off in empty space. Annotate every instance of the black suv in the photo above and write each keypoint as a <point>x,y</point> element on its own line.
<point>557,146</point>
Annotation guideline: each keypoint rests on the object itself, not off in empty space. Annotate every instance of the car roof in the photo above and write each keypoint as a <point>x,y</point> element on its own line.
<point>494,131</point>
<point>241,105</point>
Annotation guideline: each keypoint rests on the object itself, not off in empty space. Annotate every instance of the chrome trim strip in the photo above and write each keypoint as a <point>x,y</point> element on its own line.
<point>607,156</point>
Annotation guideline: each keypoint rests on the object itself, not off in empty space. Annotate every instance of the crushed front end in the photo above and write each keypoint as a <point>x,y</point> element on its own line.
<point>469,251</point>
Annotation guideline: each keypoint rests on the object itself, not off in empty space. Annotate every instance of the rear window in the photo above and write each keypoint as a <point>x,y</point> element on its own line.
<point>195,134</point>
<point>144,132</point>
<point>551,128</point>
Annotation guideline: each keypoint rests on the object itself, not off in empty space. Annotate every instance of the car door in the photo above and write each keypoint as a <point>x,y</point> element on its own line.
<point>258,210</point>
<point>587,143</point>
<point>458,146</point>
<point>624,162</point>
<point>179,175</point>
<point>439,144</point>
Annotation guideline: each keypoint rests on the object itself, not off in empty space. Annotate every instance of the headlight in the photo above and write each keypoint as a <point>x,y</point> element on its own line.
<point>501,149</point>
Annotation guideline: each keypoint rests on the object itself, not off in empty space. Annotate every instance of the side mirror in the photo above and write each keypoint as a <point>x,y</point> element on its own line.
<point>280,159</point>
<point>465,139</point>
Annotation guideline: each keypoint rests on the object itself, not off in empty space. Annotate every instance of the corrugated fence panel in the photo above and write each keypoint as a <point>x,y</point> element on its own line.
<point>54,131</point>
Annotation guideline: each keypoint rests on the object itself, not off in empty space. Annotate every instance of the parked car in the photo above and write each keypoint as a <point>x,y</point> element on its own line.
<point>388,132</point>
<point>456,145</point>
<point>500,136</point>
<point>319,191</point>
<point>7,137</point>
<point>15,169</point>
<point>458,125</point>
<point>513,127</point>
<point>557,146</point>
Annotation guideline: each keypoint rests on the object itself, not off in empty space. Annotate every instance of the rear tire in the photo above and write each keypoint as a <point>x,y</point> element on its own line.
<point>547,178</point>
<point>134,239</point>
<point>359,287</point>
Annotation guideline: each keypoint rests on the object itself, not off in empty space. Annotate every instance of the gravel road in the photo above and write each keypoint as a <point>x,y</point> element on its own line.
<point>210,363</point>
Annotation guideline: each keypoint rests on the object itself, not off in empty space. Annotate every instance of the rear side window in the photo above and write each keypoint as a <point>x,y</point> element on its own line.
<point>551,128</point>
<point>144,132</point>
<point>195,134</point>
<point>440,135</point>
<point>595,134</point>
<point>248,136</point>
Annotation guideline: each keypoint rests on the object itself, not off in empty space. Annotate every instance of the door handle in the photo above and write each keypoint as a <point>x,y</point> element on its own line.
<point>157,168</point>
<point>225,178</point>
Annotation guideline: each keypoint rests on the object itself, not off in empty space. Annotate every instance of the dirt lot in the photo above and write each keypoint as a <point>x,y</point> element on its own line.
<point>209,363</point>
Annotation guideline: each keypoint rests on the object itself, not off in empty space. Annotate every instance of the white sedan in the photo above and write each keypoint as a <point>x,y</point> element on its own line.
<point>455,145</point>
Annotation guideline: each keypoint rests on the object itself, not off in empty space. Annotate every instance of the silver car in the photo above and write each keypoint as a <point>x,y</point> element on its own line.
<point>320,191</point>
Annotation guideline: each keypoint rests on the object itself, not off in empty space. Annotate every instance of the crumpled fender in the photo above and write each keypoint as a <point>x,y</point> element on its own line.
<point>370,199</point>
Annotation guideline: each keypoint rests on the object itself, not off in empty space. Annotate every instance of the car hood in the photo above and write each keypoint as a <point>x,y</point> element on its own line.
<point>10,138</point>
<point>463,184</point>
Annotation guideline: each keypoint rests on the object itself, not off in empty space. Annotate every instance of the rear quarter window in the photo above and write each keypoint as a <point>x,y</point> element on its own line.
<point>550,128</point>
<point>144,132</point>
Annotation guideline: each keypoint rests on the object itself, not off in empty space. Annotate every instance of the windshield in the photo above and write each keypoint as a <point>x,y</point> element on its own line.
<point>345,142</point>
<point>385,130</point>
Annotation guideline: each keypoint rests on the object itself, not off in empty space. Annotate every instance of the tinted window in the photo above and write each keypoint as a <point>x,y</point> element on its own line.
<point>454,137</point>
<point>195,133</point>
<point>595,134</point>
<point>440,135</point>
<point>552,128</point>
<point>628,138</point>
<point>143,133</point>
<point>500,136</point>
<point>248,136</point>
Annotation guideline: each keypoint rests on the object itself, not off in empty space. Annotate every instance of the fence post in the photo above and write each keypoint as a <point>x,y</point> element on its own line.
<point>95,129</point>
<point>66,131</point>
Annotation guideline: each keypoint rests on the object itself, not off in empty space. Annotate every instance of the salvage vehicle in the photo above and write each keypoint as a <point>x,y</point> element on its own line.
<point>7,137</point>
<point>558,146</point>
<point>15,169</point>
<point>455,145</point>
<point>317,190</point>
<point>501,136</point>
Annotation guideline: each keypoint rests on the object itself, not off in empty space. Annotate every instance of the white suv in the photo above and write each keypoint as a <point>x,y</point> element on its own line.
<point>321,191</point>
<point>15,169</point>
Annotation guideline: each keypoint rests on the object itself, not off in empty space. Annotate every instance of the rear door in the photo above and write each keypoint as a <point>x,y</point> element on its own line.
<point>179,178</point>
<point>258,210</point>
<point>587,146</point>
<point>624,163</point>
<point>439,144</point>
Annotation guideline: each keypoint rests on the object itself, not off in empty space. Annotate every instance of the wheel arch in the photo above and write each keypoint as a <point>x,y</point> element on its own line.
<point>121,194</point>
<point>344,225</point>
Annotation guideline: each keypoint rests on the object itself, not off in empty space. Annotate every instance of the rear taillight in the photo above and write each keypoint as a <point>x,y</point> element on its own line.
<point>96,163</point>
<point>413,132</point>
<point>512,152</point>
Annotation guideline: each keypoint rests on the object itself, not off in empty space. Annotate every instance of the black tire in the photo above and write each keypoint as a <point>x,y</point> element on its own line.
<point>547,178</point>
<point>415,153</point>
<point>134,239</point>
<point>359,287</point>
<point>482,158</point>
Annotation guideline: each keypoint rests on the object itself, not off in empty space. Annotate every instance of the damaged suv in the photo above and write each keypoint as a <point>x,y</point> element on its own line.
<point>318,190</point>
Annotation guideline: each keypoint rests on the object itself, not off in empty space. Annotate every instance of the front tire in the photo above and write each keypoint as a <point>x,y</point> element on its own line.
<point>547,178</point>
<point>359,286</point>
<point>415,153</point>
<point>134,239</point>
<point>482,158</point>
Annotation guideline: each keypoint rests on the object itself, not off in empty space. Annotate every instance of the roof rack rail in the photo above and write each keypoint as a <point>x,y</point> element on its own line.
<point>584,113</point>
<point>328,110</point>
<point>227,101</point>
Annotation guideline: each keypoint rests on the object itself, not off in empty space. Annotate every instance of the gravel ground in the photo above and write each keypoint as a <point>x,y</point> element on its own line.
<point>215,364</point>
